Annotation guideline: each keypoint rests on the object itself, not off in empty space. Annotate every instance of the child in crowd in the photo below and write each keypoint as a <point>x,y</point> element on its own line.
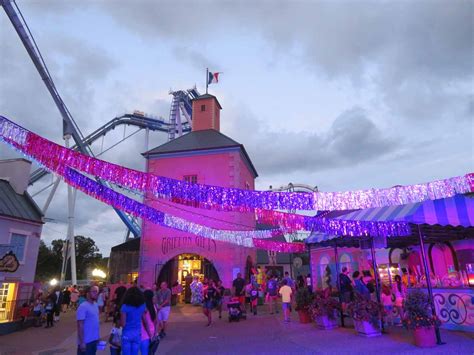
<point>49,310</point>
<point>38,310</point>
<point>387,304</point>
<point>254,299</point>
<point>115,338</point>
<point>24,312</point>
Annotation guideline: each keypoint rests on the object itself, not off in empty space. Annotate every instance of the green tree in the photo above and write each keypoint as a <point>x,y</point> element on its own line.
<point>87,255</point>
<point>48,265</point>
<point>50,259</point>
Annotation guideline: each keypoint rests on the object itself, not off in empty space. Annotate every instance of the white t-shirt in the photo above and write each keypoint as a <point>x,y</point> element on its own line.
<point>89,313</point>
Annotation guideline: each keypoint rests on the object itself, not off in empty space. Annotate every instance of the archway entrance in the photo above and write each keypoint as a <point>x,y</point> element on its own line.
<point>182,268</point>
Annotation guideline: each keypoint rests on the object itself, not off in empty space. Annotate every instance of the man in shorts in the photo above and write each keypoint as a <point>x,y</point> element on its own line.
<point>285,293</point>
<point>238,286</point>
<point>163,301</point>
<point>272,290</point>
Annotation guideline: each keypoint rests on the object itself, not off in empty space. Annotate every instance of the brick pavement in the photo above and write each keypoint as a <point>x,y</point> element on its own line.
<point>261,334</point>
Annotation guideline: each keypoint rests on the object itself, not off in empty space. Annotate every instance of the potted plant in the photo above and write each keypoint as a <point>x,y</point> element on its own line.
<point>366,314</point>
<point>419,318</point>
<point>323,310</point>
<point>303,301</point>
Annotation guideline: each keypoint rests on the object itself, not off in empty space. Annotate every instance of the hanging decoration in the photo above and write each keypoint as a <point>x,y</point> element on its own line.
<point>52,156</point>
<point>281,247</point>
<point>289,222</point>
<point>137,209</point>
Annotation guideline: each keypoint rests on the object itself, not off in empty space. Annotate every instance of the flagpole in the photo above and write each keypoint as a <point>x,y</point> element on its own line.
<point>207,78</point>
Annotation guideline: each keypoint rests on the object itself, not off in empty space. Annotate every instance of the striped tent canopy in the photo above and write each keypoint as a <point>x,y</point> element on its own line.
<point>455,211</point>
<point>317,237</point>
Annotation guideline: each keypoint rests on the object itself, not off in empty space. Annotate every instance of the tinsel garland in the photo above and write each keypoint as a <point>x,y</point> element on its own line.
<point>281,247</point>
<point>292,222</point>
<point>137,209</point>
<point>227,199</point>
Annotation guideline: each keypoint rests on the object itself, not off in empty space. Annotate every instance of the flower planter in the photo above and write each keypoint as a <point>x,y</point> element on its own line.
<point>424,337</point>
<point>326,323</point>
<point>304,317</point>
<point>367,329</point>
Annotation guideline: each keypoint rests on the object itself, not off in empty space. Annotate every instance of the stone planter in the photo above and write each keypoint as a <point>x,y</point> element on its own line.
<point>304,317</point>
<point>424,337</point>
<point>326,323</point>
<point>367,329</point>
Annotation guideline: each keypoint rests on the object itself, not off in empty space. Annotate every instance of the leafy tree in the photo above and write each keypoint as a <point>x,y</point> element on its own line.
<point>50,259</point>
<point>87,255</point>
<point>48,265</point>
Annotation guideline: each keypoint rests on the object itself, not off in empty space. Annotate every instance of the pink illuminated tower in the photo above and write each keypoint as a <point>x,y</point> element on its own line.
<point>204,156</point>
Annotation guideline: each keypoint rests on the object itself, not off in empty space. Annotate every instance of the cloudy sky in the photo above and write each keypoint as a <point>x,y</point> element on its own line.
<point>341,95</point>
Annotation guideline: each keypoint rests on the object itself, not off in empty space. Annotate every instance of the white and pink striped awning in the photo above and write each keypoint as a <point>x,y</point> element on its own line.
<point>454,211</point>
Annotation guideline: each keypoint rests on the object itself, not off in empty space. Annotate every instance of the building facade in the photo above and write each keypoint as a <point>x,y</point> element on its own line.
<point>204,156</point>
<point>20,231</point>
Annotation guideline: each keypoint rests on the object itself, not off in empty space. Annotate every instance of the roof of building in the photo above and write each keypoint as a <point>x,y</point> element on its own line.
<point>207,96</point>
<point>18,206</point>
<point>130,245</point>
<point>208,139</point>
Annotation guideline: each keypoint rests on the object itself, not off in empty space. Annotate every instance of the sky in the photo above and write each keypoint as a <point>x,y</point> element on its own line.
<point>342,95</point>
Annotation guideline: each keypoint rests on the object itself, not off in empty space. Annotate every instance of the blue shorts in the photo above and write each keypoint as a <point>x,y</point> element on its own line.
<point>286,305</point>
<point>209,304</point>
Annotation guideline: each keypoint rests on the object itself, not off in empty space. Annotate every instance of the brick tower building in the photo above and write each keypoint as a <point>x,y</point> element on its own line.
<point>204,156</point>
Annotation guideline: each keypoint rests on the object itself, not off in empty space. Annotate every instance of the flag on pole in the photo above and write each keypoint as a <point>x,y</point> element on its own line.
<point>213,78</point>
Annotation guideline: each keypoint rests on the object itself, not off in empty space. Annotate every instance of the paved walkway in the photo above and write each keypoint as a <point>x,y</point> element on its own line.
<point>261,334</point>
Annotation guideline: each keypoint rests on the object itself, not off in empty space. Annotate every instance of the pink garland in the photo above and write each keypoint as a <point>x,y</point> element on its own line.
<point>227,199</point>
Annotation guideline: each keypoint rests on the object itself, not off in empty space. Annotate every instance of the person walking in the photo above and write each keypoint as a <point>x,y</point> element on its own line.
<point>360,286</point>
<point>345,288</point>
<point>399,291</point>
<point>272,291</point>
<point>285,293</point>
<point>115,338</point>
<point>88,330</point>
<point>196,291</point>
<point>210,293</point>
<point>74,297</point>
<point>253,298</point>
<point>66,300</point>
<point>219,297</point>
<point>132,314</point>
<point>163,301</point>
<point>238,286</point>
<point>49,310</point>
<point>151,317</point>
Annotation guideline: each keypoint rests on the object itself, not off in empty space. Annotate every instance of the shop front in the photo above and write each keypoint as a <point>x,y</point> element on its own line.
<point>180,271</point>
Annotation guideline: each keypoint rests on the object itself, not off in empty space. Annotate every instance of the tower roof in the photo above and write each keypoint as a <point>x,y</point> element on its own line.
<point>207,96</point>
<point>208,139</point>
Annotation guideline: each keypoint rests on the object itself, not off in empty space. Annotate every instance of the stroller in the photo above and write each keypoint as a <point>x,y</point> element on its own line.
<point>235,313</point>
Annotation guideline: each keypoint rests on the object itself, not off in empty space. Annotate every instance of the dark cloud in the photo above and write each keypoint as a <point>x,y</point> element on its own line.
<point>406,49</point>
<point>194,57</point>
<point>351,140</point>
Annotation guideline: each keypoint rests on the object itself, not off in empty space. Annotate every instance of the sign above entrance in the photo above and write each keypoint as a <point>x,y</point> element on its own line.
<point>9,263</point>
<point>168,244</point>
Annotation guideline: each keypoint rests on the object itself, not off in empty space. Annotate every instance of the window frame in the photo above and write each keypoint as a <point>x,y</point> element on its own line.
<point>27,236</point>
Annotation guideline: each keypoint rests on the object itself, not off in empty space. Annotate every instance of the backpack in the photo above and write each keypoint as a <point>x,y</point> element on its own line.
<point>272,287</point>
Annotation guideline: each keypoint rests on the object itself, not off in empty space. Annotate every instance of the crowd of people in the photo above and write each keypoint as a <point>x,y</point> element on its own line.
<point>139,316</point>
<point>210,294</point>
<point>363,283</point>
